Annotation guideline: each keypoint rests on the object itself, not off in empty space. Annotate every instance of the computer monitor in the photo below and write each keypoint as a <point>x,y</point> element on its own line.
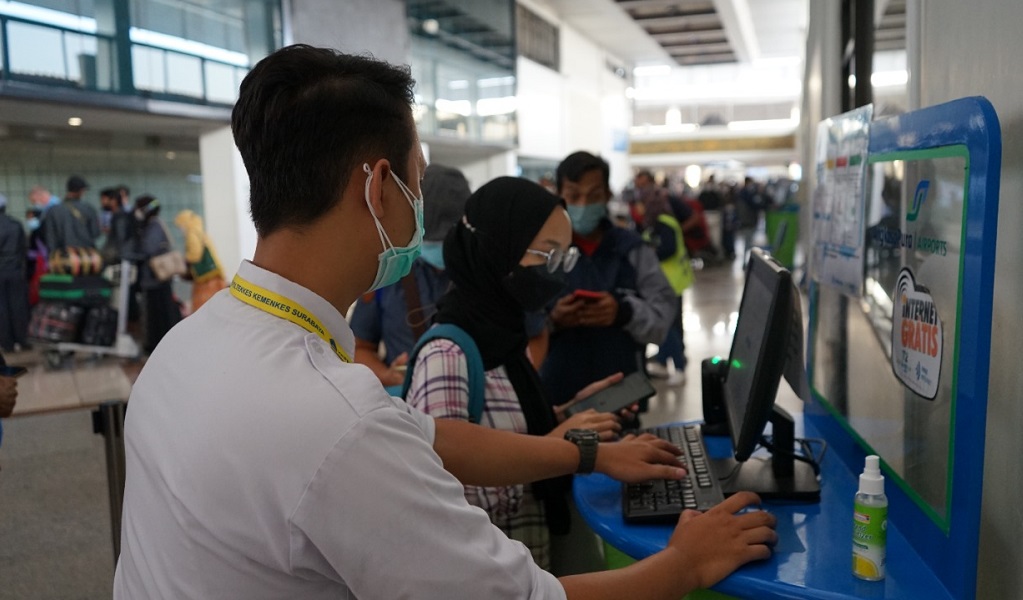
<point>756,362</point>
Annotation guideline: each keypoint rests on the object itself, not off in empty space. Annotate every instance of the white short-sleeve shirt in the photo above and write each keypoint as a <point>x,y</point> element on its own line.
<point>259,465</point>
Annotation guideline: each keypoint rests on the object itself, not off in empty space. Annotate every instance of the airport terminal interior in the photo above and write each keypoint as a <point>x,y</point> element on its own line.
<point>722,105</point>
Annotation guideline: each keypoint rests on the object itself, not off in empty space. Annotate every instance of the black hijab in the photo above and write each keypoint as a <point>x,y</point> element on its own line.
<point>501,219</point>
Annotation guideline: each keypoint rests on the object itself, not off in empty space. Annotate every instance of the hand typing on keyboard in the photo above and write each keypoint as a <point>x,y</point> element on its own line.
<point>639,458</point>
<point>663,500</point>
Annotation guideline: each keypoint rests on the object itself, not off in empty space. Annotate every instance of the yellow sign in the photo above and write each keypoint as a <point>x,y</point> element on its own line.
<point>787,142</point>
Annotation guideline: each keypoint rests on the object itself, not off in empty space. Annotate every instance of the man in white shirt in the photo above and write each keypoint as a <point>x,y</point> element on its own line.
<point>263,463</point>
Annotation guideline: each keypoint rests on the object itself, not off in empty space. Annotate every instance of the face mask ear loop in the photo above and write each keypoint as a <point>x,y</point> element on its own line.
<point>412,198</point>
<point>385,241</point>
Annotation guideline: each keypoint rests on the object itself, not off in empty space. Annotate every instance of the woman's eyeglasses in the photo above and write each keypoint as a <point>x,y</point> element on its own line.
<point>558,258</point>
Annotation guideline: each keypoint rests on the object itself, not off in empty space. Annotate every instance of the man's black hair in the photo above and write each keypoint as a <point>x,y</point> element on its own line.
<point>112,193</point>
<point>578,164</point>
<point>646,173</point>
<point>306,117</point>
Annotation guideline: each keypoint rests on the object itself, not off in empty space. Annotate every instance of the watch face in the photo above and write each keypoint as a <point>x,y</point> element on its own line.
<point>582,435</point>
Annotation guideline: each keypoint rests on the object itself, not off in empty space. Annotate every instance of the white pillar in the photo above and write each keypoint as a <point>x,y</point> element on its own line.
<point>484,169</point>
<point>225,198</point>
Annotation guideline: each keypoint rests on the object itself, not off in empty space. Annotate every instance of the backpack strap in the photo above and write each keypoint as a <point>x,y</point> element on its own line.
<point>473,360</point>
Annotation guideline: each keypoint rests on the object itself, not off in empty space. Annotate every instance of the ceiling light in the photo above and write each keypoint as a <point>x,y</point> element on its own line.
<point>75,121</point>
<point>431,26</point>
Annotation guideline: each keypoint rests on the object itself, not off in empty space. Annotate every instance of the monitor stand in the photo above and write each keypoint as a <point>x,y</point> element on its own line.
<point>780,477</point>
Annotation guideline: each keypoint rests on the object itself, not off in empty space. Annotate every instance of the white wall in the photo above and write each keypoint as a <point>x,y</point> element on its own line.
<point>483,170</point>
<point>988,66</point>
<point>985,66</point>
<point>580,107</point>
<point>225,196</point>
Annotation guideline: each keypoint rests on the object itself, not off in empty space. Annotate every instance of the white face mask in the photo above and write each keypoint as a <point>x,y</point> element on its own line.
<point>395,262</point>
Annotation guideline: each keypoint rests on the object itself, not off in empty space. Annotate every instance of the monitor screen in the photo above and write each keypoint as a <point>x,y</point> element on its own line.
<point>759,348</point>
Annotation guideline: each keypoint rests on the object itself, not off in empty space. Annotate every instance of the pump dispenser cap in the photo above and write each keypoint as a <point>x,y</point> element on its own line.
<point>871,481</point>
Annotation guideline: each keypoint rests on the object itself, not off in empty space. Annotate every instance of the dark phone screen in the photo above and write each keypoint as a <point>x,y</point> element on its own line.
<point>628,391</point>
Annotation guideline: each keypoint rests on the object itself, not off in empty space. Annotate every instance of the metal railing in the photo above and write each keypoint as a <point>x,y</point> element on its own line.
<point>183,75</point>
<point>53,55</point>
<point>30,53</point>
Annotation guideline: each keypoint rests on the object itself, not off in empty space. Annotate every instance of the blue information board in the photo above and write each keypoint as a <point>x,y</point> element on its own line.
<point>902,370</point>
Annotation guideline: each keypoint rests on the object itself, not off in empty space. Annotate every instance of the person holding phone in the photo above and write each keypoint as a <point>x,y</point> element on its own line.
<point>616,300</point>
<point>508,256</point>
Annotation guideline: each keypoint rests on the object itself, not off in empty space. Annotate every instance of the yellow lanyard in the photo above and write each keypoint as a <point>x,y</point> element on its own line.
<point>285,308</point>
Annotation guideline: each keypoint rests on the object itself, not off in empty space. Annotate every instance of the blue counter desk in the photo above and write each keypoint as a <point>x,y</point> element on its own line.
<point>813,558</point>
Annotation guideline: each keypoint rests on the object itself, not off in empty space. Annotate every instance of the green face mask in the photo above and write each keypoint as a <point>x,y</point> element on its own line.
<point>395,262</point>
<point>433,253</point>
<point>586,218</point>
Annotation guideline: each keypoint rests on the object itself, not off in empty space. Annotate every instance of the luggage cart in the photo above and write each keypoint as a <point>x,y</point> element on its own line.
<point>124,346</point>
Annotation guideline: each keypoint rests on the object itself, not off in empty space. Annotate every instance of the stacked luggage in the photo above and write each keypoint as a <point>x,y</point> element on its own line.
<point>75,302</point>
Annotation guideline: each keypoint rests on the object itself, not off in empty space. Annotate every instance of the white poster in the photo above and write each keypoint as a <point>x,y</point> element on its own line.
<point>839,200</point>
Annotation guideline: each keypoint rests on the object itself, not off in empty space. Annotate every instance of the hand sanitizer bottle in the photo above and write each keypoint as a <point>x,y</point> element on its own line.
<point>870,523</point>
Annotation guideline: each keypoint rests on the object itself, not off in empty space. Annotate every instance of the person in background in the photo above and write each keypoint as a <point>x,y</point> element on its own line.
<point>508,256</point>
<point>14,306</point>
<point>698,240</point>
<point>667,222</point>
<point>73,222</point>
<point>153,239</point>
<point>262,463</point>
<point>36,259</point>
<point>593,338</point>
<point>750,207</point>
<point>398,314</point>
<point>120,224</point>
<point>203,265</point>
<point>41,198</point>
<point>663,230</point>
<point>8,396</point>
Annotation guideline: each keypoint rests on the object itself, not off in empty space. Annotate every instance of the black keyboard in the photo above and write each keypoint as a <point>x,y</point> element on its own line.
<point>663,500</point>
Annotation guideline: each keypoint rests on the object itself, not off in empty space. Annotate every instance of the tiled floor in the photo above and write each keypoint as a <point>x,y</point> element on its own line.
<point>54,512</point>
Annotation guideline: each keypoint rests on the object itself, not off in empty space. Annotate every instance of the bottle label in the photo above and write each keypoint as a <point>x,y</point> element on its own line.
<point>870,536</point>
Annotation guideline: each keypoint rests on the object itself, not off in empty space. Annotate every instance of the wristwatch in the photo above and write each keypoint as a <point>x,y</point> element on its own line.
<point>587,441</point>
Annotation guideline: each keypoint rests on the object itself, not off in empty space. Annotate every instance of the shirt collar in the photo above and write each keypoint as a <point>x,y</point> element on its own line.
<point>333,320</point>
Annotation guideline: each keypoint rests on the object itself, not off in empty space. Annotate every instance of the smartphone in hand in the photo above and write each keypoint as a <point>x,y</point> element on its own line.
<point>630,390</point>
<point>588,295</point>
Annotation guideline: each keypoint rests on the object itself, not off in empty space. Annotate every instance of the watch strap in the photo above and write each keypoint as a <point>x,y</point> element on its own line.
<point>586,441</point>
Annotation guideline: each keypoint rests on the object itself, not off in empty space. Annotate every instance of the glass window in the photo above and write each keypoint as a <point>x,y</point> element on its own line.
<point>148,69</point>
<point>220,85</point>
<point>35,50</point>
<point>184,75</point>
<point>219,24</point>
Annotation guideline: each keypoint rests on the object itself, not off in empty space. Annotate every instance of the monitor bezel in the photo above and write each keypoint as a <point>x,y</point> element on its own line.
<point>747,428</point>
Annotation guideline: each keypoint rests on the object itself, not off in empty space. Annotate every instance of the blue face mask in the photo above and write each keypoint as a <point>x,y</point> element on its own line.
<point>433,253</point>
<point>33,224</point>
<point>586,218</point>
<point>395,262</point>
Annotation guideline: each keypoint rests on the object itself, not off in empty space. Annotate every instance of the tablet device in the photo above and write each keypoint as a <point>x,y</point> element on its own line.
<point>12,371</point>
<point>625,393</point>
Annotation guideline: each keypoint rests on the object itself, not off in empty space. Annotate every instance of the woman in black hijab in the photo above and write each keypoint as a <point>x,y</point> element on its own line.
<point>507,257</point>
